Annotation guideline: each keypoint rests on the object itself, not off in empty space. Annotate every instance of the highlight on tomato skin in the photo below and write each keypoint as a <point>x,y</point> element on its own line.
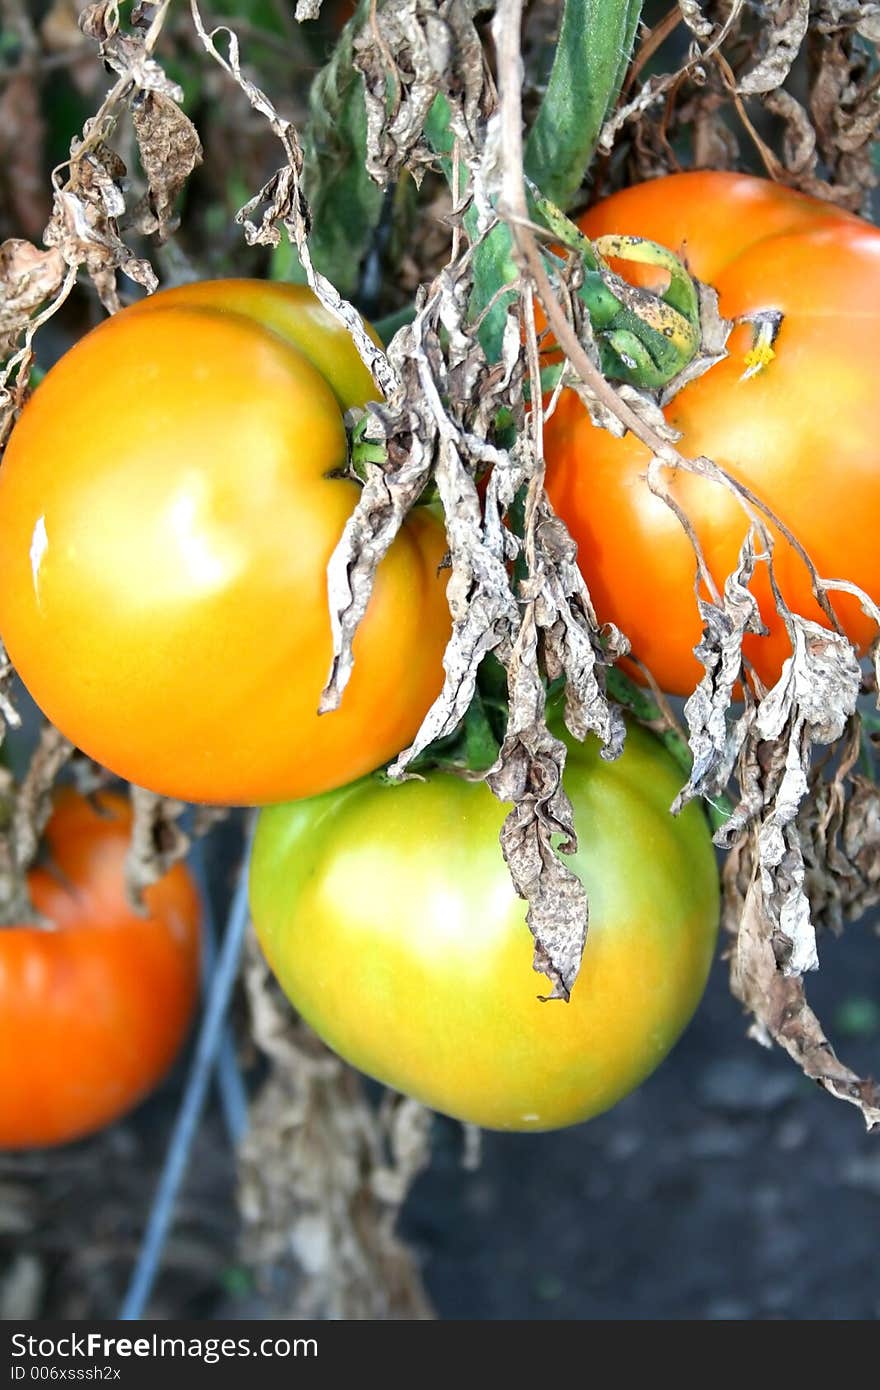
<point>94,1011</point>
<point>803,433</point>
<point>390,920</point>
<point>169,501</point>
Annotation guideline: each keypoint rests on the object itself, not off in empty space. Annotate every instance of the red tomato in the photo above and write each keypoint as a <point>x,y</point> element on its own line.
<point>803,434</point>
<point>94,1011</point>
<point>168,506</point>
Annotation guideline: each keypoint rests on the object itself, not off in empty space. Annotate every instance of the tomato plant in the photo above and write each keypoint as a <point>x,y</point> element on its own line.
<point>94,1009</point>
<point>169,501</point>
<point>389,917</point>
<point>803,432</point>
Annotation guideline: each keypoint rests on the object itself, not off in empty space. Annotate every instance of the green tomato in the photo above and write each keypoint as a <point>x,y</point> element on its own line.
<point>389,918</point>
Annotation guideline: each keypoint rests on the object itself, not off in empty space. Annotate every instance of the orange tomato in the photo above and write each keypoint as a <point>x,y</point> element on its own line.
<point>168,506</point>
<point>94,1010</point>
<point>803,434</point>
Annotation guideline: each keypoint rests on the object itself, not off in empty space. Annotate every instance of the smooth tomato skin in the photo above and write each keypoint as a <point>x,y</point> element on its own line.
<point>803,435</point>
<point>166,520</point>
<point>295,314</point>
<point>390,920</point>
<point>92,1013</point>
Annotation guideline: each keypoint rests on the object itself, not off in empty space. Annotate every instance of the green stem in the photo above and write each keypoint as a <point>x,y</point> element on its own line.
<point>592,55</point>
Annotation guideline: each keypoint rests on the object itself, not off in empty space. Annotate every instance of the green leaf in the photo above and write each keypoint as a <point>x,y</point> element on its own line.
<point>594,49</point>
<point>493,260</point>
<point>494,266</point>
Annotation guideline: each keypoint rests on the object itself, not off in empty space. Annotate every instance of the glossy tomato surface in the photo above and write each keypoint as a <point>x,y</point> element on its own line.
<point>803,434</point>
<point>94,1010</point>
<point>388,916</point>
<point>167,512</point>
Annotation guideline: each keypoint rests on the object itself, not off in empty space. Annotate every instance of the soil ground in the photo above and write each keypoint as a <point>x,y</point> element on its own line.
<point>727,1187</point>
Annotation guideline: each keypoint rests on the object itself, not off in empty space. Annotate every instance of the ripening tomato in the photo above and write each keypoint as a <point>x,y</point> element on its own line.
<point>168,506</point>
<point>389,918</point>
<point>94,1009</point>
<point>803,433</point>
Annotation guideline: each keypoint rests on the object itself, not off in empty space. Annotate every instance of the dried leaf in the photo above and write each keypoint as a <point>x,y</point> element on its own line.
<point>530,775</point>
<point>714,745</point>
<point>833,16</point>
<point>658,86</point>
<point>129,55</point>
<point>169,149</point>
<point>810,704</point>
<point>28,277</point>
<point>799,140</point>
<point>839,829</point>
<point>696,21</point>
<point>34,800</point>
<point>24,812</point>
<point>420,49</point>
<point>323,1176</point>
<point>84,223</point>
<point>157,842</point>
<point>783,39</point>
<point>781,1009</point>
<point>9,716</point>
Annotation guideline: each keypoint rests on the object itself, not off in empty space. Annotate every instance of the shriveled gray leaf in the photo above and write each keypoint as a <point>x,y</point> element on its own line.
<point>170,149</point>
<point>799,138</point>
<point>783,38</point>
<point>323,1174</point>
<point>483,608</point>
<point>129,55</point>
<point>281,200</point>
<point>839,829</point>
<point>425,47</point>
<point>28,277</point>
<point>779,1004</point>
<point>381,509</point>
<point>715,744</point>
<point>24,812</point>
<point>656,86</point>
<point>810,704</point>
<point>696,21</point>
<point>157,841</point>
<point>84,222</point>
<point>571,638</point>
<point>9,716</point>
<point>832,16</point>
<point>532,761</point>
<point>819,685</point>
<point>642,403</point>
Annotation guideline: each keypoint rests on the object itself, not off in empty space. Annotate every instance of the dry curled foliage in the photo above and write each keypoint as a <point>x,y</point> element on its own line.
<point>805,63</point>
<point>323,1175</point>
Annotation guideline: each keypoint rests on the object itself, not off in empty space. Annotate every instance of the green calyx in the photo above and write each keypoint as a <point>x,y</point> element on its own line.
<point>645,337</point>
